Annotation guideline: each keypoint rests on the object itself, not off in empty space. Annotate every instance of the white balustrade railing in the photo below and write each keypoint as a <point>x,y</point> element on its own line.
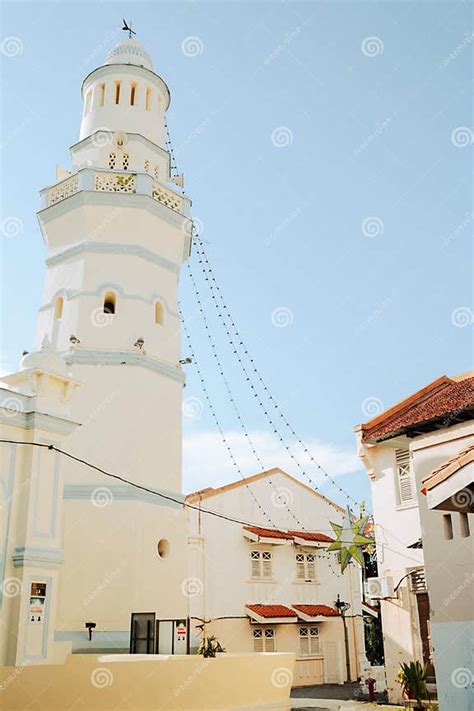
<point>64,189</point>
<point>167,197</point>
<point>113,181</point>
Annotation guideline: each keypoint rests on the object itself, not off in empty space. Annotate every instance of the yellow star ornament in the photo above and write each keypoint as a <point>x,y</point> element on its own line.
<point>349,539</point>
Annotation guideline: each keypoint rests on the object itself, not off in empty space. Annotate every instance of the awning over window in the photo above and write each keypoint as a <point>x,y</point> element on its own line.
<point>269,535</point>
<point>271,613</point>
<point>315,613</point>
<point>283,613</point>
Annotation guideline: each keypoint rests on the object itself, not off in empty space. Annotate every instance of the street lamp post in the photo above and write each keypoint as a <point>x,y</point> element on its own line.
<point>342,608</point>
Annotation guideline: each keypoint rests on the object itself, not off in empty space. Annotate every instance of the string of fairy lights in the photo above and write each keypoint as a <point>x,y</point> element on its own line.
<point>212,410</point>
<point>232,400</point>
<point>247,436</point>
<point>238,343</point>
<point>206,267</point>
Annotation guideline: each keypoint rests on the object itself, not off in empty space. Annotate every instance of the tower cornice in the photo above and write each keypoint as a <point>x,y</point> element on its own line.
<point>80,248</point>
<point>85,356</point>
<point>89,140</point>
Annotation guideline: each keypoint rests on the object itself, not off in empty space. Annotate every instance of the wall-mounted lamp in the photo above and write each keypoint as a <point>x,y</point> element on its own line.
<point>90,626</point>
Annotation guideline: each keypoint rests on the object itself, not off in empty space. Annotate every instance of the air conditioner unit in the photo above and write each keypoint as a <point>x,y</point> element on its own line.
<point>377,588</point>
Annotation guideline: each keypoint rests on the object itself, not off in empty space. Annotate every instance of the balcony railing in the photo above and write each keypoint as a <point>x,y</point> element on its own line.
<point>64,189</point>
<point>167,197</point>
<point>116,182</point>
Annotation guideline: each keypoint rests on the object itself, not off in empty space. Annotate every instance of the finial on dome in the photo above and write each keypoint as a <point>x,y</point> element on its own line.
<point>128,29</point>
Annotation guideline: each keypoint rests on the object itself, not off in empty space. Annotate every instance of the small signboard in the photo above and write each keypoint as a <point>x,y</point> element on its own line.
<point>37,603</point>
<point>181,629</point>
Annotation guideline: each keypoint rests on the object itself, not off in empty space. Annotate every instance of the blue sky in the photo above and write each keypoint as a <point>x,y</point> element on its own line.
<point>326,149</point>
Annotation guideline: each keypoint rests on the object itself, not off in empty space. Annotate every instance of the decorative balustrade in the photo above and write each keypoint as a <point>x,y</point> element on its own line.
<point>115,183</point>
<point>63,189</point>
<point>167,197</point>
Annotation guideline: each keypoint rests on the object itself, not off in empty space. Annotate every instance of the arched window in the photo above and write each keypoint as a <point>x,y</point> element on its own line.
<point>109,303</point>
<point>101,94</point>
<point>58,308</point>
<point>88,103</point>
<point>148,99</point>
<point>159,313</point>
<point>117,92</point>
<point>133,93</point>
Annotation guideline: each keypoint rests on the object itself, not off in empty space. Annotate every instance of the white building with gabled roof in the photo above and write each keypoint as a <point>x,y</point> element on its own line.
<point>418,457</point>
<point>268,583</point>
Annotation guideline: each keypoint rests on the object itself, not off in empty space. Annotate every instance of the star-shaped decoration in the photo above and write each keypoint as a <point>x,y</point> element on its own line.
<point>349,539</point>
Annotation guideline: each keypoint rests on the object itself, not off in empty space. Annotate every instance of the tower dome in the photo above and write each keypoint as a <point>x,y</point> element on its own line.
<point>129,51</point>
<point>125,94</point>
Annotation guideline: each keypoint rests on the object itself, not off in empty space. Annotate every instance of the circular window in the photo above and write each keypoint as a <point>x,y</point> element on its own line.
<point>163,548</point>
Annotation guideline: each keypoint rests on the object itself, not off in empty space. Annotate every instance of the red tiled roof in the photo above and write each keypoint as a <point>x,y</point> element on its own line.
<point>447,469</point>
<point>308,536</point>
<point>272,611</point>
<point>288,535</point>
<point>268,533</point>
<point>317,610</point>
<point>440,399</point>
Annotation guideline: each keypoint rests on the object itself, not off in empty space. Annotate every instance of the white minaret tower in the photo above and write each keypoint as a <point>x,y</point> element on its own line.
<point>117,234</point>
<point>107,358</point>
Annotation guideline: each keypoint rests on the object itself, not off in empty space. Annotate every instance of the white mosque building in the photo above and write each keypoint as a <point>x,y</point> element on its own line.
<point>81,552</point>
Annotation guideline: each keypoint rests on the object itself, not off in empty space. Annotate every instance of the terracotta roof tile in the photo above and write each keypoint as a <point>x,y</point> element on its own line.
<point>268,533</point>
<point>447,469</point>
<point>317,610</point>
<point>272,611</point>
<point>444,398</point>
<point>288,535</point>
<point>309,536</point>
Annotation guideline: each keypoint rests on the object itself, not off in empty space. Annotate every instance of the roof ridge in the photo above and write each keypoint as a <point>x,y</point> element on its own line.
<point>245,481</point>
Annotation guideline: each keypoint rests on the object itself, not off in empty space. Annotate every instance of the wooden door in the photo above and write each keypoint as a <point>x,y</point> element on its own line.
<point>423,604</point>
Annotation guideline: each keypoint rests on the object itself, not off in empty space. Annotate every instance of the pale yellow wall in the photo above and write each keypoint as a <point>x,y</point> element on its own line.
<point>154,683</point>
<point>236,637</point>
<point>120,572</point>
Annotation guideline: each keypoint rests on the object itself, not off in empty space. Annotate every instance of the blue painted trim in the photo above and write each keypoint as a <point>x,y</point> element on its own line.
<point>90,357</point>
<point>54,509</point>
<point>122,492</point>
<point>39,420</point>
<point>81,248</point>
<point>100,640</point>
<point>8,489</point>
<point>45,625</point>
<point>38,557</point>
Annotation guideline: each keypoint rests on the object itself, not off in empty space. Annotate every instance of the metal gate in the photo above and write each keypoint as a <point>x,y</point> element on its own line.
<point>149,635</point>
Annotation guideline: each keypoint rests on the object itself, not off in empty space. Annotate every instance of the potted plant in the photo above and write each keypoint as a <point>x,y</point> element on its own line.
<point>210,647</point>
<point>412,678</point>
